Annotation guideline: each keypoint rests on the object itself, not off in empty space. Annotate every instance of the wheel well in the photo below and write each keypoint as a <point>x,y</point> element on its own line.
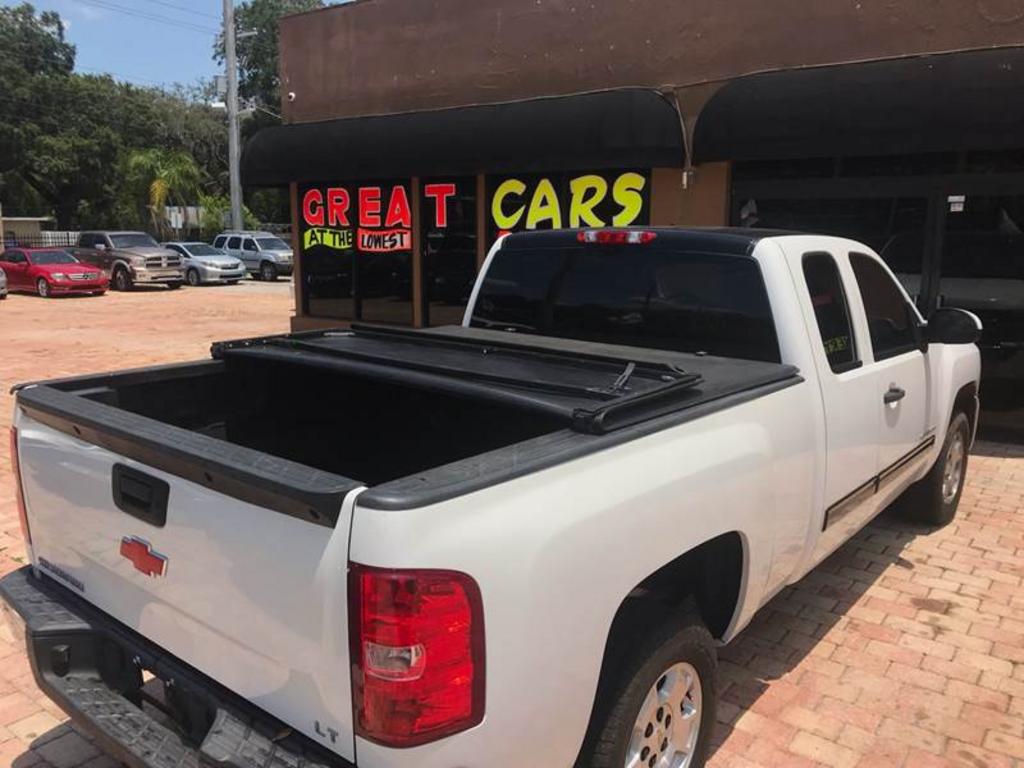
<point>707,579</point>
<point>964,402</point>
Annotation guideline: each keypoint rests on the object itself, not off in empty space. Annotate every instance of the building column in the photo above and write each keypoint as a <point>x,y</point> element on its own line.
<point>703,203</point>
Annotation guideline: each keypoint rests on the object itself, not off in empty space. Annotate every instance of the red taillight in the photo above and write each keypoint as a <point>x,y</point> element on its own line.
<point>18,493</point>
<point>417,642</point>
<point>615,236</point>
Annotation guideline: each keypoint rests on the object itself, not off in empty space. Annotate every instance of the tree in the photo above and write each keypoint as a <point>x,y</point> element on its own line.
<point>35,43</point>
<point>169,178</point>
<point>257,54</point>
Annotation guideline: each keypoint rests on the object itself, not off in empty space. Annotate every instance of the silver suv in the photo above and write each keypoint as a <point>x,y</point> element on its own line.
<point>264,254</point>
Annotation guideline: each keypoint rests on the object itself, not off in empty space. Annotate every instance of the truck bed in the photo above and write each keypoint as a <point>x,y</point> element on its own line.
<point>294,422</point>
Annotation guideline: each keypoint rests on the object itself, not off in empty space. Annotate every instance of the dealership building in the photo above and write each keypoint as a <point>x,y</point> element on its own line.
<point>415,133</point>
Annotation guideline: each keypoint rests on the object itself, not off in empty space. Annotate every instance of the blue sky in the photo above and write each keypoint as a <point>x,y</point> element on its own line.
<point>172,44</point>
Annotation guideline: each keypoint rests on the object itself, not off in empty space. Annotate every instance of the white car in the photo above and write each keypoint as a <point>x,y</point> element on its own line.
<point>203,264</point>
<point>512,543</point>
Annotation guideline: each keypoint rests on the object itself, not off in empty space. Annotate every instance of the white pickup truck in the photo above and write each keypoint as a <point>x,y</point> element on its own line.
<point>514,543</point>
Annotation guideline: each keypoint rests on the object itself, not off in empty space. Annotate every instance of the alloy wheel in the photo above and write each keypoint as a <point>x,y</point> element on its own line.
<point>953,469</point>
<point>668,724</point>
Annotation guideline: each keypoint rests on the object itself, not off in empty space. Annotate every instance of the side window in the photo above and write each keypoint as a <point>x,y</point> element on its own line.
<point>831,311</point>
<point>234,242</point>
<point>86,240</point>
<point>890,320</point>
<point>218,242</point>
<point>14,257</point>
<point>249,244</point>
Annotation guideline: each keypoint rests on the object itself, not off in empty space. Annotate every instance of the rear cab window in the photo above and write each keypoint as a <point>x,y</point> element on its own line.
<point>831,310</point>
<point>891,321</point>
<point>650,295</point>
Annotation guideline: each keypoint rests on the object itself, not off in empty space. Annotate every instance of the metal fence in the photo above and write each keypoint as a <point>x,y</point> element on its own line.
<point>39,240</point>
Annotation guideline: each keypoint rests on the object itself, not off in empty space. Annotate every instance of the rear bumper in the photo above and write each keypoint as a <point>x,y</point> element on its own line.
<point>92,666</point>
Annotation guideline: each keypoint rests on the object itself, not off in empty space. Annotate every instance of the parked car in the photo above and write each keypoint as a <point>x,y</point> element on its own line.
<point>204,263</point>
<point>515,542</point>
<point>50,272</point>
<point>264,254</point>
<point>3,282</point>
<point>130,258</point>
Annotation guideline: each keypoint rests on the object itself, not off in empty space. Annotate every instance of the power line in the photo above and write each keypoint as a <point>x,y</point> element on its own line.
<point>183,9</point>
<point>109,6</point>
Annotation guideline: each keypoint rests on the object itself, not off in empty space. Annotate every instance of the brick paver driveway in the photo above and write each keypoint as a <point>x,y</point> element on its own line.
<point>906,648</point>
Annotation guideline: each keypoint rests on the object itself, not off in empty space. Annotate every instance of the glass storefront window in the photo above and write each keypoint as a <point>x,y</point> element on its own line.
<point>448,226</point>
<point>356,250</point>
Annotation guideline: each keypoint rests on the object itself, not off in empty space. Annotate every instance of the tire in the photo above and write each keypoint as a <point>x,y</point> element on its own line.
<point>192,277</point>
<point>639,713</point>
<point>174,286</point>
<point>933,499</point>
<point>268,272</point>
<point>122,280</point>
<point>43,288</point>
<point>232,282</point>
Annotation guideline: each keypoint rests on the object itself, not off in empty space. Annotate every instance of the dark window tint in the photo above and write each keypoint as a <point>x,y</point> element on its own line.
<point>13,257</point>
<point>639,295</point>
<point>87,240</point>
<point>830,310</point>
<point>234,242</point>
<point>889,317</point>
<point>218,242</point>
<point>249,244</point>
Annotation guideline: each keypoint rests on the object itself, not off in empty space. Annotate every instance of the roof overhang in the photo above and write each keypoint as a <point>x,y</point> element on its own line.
<point>622,128</point>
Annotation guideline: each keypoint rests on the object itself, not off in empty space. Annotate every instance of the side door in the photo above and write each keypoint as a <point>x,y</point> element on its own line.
<point>848,386</point>
<point>251,254</point>
<point>12,262</point>
<point>901,370</point>
<point>234,248</point>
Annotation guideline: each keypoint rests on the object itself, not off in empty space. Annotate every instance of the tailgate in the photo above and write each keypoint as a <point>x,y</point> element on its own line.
<point>252,596</point>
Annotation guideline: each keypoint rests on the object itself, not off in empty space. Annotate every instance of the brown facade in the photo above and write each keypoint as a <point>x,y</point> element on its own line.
<point>379,57</point>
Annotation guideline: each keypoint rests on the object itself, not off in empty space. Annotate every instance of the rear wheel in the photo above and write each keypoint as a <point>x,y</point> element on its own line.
<point>657,709</point>
<point>933,500</point>
<point>122,280</point>
<point>268,271</point>
<point>43,288</point>
<point>192,276</point>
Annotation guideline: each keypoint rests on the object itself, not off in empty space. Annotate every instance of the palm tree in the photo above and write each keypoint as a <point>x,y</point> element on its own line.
<point>170,177</point>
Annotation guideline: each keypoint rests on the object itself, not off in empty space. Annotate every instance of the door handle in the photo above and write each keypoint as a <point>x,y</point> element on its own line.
<point>893,395</point>
<point>140,495</point>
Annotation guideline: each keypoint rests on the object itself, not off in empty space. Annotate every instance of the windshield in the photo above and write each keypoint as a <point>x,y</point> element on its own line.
<point>272,244</point>
<point>51,257</point>
<point>640,296</point>
<point>202,249</point>
<point>133,240</point>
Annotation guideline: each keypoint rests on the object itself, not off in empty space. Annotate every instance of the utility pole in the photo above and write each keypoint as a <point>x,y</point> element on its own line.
<point>234,153</point>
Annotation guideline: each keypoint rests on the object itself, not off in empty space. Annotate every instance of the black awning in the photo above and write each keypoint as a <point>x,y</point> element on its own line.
<point>628,128</point>
<point>942,103</point>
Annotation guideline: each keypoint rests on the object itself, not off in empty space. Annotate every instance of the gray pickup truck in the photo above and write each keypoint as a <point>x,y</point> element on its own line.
<point>130,258</point>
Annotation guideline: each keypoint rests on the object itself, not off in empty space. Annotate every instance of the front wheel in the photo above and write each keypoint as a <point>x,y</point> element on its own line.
<point>268,271</point>
<point>173,286</point>
<point>933,499</point>
<point>122,280</point>
<point>658,710</point>
<point>43,288</point>
<point>193,277</point>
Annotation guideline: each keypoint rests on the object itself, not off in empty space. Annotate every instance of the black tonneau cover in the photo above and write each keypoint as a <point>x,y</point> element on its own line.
<point>598,388</point>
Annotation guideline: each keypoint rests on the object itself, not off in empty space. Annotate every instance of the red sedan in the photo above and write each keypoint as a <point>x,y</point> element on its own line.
<point>50,271</point>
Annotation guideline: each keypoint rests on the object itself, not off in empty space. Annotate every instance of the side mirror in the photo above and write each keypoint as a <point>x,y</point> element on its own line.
<point>100,246</point>
<point>952,326</point>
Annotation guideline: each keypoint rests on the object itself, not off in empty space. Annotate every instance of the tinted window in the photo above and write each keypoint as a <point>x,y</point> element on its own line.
<point>639,295</point>
<point>218,241</point>
<point>830,310</point>
<point>249,245</point>
<point>234,242</point>
<point>889,318</point>
<point>133,240</point>
<point>13,257</point>
<point>202,249</point>
<point>87,240</point>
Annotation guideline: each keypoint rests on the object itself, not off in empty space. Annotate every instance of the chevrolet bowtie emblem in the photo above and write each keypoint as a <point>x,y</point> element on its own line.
<point>143,557</point>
